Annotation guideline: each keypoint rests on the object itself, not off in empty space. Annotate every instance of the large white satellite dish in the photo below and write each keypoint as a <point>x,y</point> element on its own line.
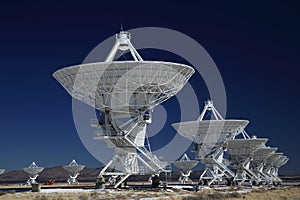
<point>125,93</point>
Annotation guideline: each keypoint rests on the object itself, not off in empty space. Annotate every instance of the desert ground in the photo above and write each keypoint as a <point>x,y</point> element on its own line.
<point>257,193</point>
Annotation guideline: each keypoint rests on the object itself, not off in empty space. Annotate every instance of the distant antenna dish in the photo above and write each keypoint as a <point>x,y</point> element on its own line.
<point>2,171</point>
<point>245,147</point>
<point>241,152</point>
<point>33,170</point>
<point>279,162</point>
<point>261,154</point>
<point>73,168</point>
<point>186,165</point>
<point>274,157</point>
<point>210,137</point>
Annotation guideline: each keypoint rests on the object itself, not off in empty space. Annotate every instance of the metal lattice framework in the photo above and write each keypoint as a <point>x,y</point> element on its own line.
<point>245,147</point>
<point>274,157</point>
<point>33,171</point>
<point>272,165</point>
<point>261,154</point>
<point>210,137</point>
<point>73,168</point>
<point>279,162</point>
<point>259,157</point>
<point>241,151</point>
<point>210,131</point>
<point>125,93</point>
<point>124,87</point>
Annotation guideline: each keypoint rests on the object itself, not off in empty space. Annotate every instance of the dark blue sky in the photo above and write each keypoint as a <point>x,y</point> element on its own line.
<point>255,44</point>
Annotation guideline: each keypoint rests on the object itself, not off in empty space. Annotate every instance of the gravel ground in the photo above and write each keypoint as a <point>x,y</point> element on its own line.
<point>175,194</point>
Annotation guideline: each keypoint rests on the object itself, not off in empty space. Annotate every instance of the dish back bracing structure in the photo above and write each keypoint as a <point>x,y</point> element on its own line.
<point>33,171</point>
<point>272,164</point>
<point>210,137</point>
<point>258,163</point>
<point>186,165</point>
<point>241,151</point>
<point>73,168</point>
<point>125,93</point>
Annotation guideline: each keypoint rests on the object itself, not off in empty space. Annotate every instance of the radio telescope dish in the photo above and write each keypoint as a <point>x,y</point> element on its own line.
<point>282,162</point>
<point>210,131</point>
<point>124,87</point>
<point>186,165</point>
<point>210,136</point>
<point>73,168</point>
<point>245,147</point>
<point>241,151</point>
<point>125,93</point>
<point>273,163</point>
<point>259,158</point>
<point>273,158</point>
<point>262,154</point>
<point>33,171</point>
<point>2,171</point>
<point>279,161</point>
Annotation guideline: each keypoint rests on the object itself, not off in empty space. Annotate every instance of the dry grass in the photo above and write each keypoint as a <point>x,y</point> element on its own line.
<point>232,194</point>
<point>214,195</point>
<point>273,194</point>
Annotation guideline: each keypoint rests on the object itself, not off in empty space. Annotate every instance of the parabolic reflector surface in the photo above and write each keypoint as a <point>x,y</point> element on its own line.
<point>73,169</point>
<point>283,162</point>
<point>186,164</point>
<point>124,86</point>
<point>33,170</point>
<point>279,161</point>
<point>210,131</point>
<point>244,146</point>
<point>270,160</point>
<point>261,154</point>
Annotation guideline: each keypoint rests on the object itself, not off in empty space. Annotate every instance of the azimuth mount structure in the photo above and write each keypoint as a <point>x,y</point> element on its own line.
<point>241,152</point>
<point>125,93</point>
<point>210,137</point>
<point>273,163</point>
<point>276,165</point>
<point>186,165</point>
<point>258,163</point>
<point>253,161</point>
<point>73,168</point>
<point>33,171</point>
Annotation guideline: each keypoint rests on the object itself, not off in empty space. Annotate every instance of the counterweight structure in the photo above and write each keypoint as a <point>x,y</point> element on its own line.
<point>125,93</point>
